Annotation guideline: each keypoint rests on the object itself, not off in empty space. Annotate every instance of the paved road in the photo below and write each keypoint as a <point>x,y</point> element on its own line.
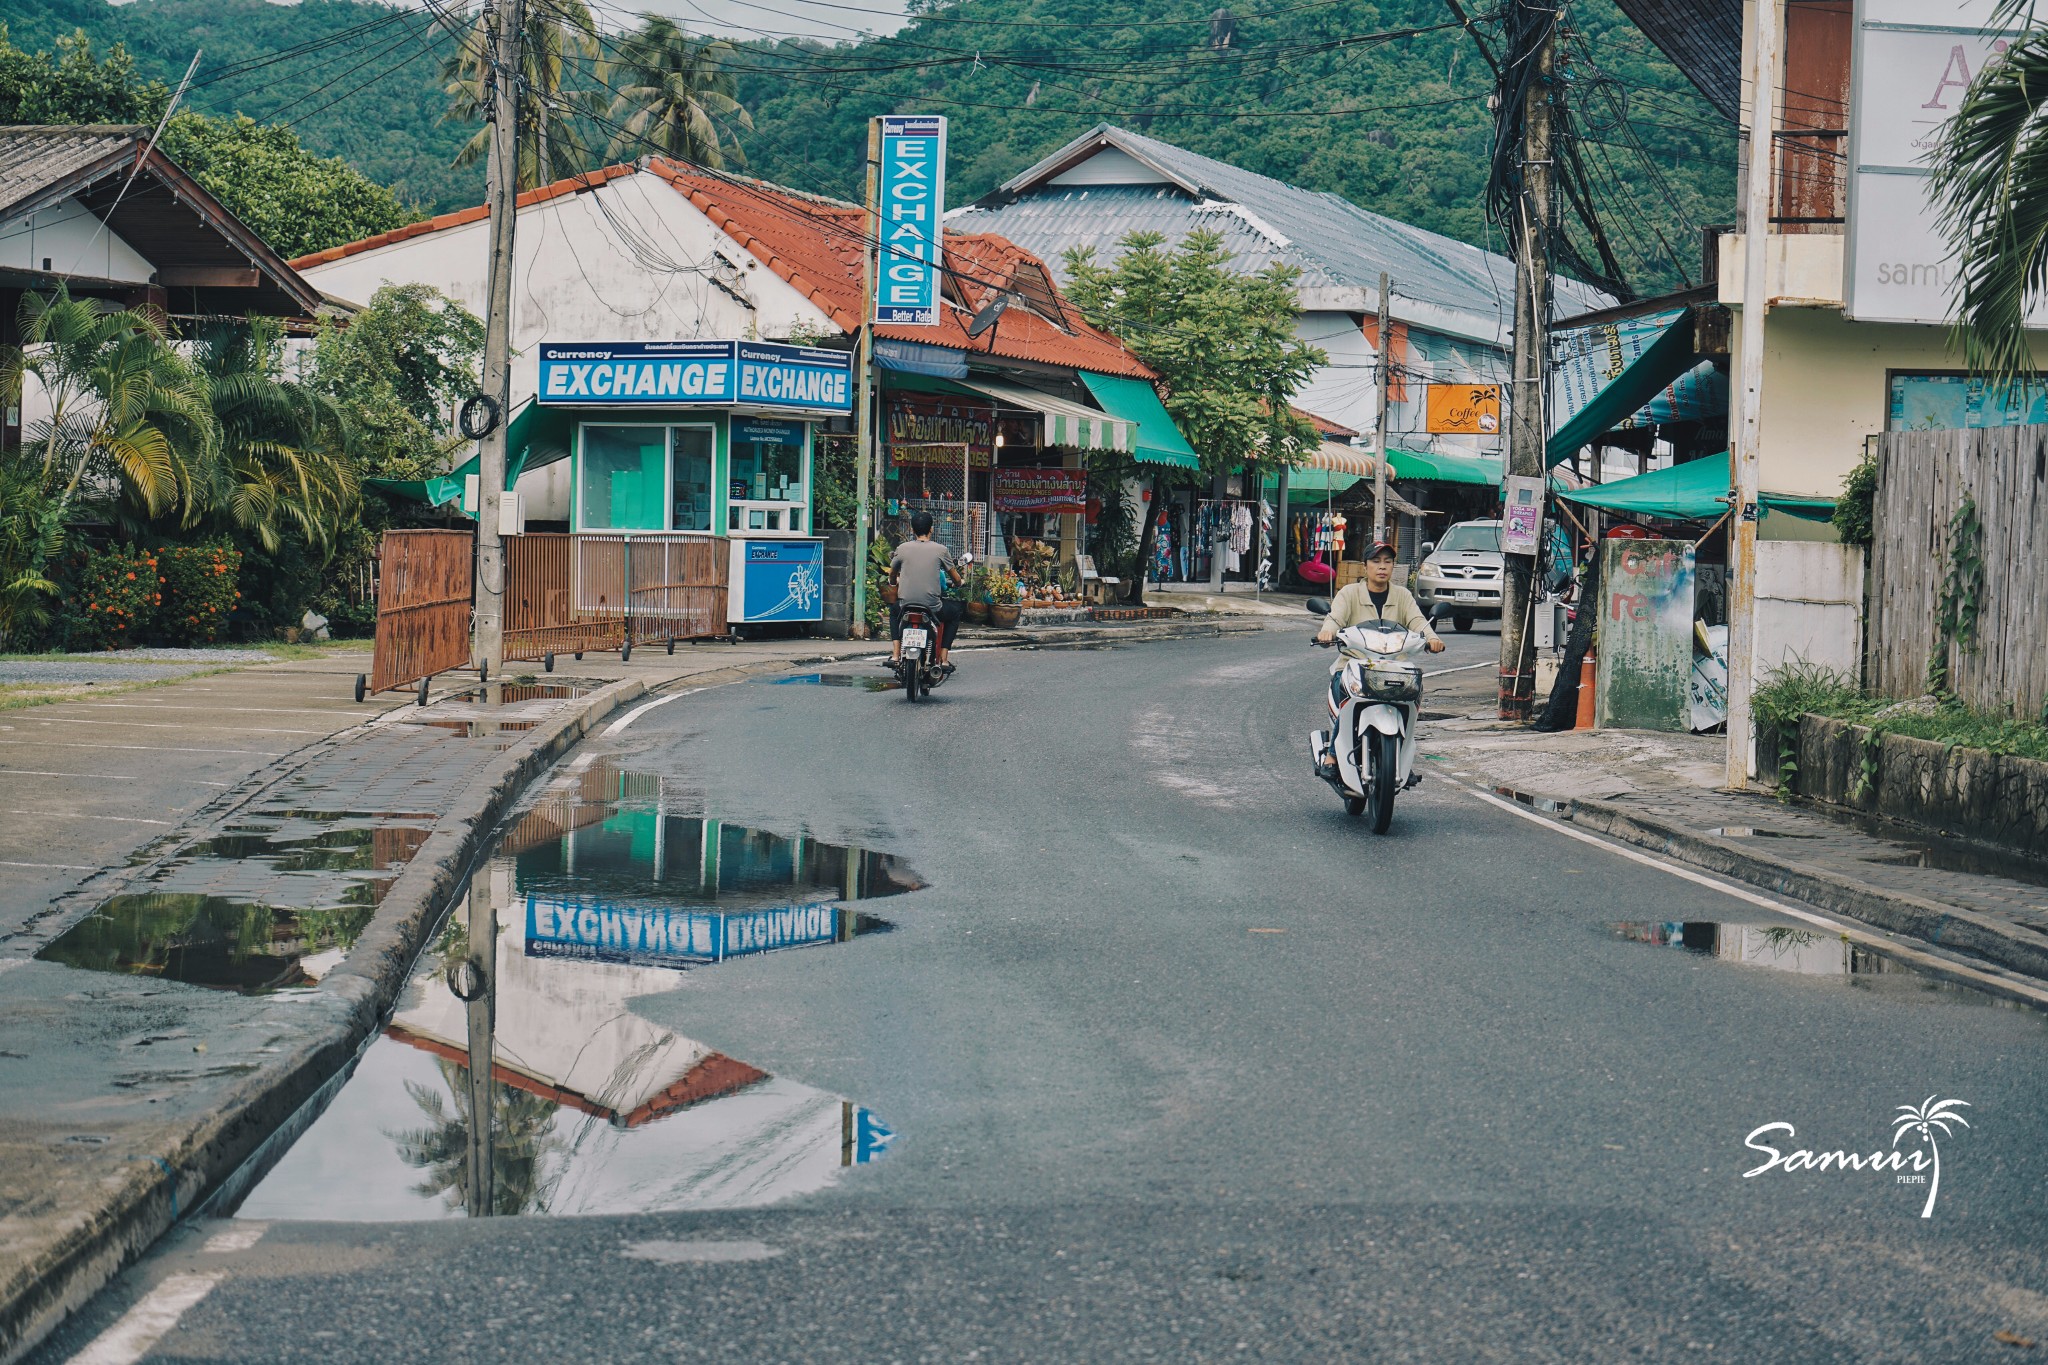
<point>1186,1065</point>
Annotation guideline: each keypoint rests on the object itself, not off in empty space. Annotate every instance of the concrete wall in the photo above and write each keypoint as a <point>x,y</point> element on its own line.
<point>1809,606</point>
<point>839,568</point>
<point>1997,799</point>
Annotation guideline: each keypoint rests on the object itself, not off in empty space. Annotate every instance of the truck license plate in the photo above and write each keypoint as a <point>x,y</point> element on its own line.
<point>914,638</point>
<point>1468,597</point>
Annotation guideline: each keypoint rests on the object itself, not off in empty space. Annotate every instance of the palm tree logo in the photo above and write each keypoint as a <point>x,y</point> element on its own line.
<point>1922,1120</point>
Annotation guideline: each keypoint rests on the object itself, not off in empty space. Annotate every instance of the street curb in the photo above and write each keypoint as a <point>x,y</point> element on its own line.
<point>356,995</point>
<point>1945,926</point>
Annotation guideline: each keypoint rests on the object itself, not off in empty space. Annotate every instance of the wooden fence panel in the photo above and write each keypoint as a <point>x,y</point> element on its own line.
<point>423,601</point>
<point>540,618</point>
<point>677,586</point>
<point>1923,477</point>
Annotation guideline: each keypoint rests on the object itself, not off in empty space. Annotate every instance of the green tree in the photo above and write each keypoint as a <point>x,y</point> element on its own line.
<point>1991,180</point>
<point>1223,343</point>
<point>560,36</point>
<point>75,86</point>
<point>285,466</point>
<point>396,369</point>
<point>674,94</point>
<point>296,202</point>
<point>127,414</point>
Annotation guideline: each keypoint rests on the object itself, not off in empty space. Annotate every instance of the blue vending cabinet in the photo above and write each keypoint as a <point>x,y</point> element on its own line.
<point>779,579</point>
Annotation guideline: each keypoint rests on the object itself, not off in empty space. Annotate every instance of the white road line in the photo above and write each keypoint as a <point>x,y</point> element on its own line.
<point>144,748</point>
<point>229,724</point>
<point>643,708</point>
<point>142,1326</point>
<point>81,815</point>
<point>1889,946</point>
<point>54,867</point>
<point>1461,668</point>
<point>238,1237</point>
<point>38,772</point>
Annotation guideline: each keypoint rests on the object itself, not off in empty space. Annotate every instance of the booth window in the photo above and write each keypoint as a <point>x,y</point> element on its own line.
<point>624,480</point>
<point>690,476</point>
<point>767,475</point>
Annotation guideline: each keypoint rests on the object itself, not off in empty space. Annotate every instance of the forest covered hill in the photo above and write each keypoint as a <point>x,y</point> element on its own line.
<point>1382,102</point>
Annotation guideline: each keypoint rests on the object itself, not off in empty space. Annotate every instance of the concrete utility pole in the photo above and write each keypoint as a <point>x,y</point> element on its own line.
<point>481,1020</point>
<point>503,193</point>
<point>1526,435</point>
<point>864,402</point>
<point>1762,80</point>
<point>1379,454</point>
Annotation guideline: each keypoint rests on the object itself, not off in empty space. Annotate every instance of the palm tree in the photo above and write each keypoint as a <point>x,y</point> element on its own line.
<point>551,146</point>
<point>522,1143</point>
<point>1923,1120</point>
<point>126,411</point>
<point>1991,181</point>
<point>672,93</point>
<point>283,446</point>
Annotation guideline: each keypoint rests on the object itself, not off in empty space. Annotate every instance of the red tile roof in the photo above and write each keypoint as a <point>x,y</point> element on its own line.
<point>815,244</point>
<point>575,184</point>
<point>1328,430</point>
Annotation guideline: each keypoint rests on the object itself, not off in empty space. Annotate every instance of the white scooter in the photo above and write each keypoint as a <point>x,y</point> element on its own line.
<point>1374,699</point>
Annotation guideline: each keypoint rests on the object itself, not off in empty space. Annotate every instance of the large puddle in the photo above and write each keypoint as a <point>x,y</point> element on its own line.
<point>597,894</point>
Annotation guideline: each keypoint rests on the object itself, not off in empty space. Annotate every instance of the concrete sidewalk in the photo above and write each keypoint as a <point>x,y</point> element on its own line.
<point>1662,792</point>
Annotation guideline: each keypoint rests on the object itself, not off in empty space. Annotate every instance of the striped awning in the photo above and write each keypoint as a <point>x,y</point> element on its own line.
<point>1341,459</point>
<point>1063,422</point>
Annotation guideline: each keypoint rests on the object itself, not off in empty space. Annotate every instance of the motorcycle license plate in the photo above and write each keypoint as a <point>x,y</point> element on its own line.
<point>915,638</point>
<point>1467,596</point>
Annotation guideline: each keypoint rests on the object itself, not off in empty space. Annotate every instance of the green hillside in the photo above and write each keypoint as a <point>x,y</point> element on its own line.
<point>1317,94</point>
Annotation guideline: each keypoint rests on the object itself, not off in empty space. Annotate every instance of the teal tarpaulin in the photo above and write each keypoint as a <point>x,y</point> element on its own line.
<point>1668,357</point>
<point>1696,491</point>
<point>538,436</point>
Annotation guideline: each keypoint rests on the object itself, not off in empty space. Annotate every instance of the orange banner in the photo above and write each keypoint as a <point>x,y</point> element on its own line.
<point>1464,409</point>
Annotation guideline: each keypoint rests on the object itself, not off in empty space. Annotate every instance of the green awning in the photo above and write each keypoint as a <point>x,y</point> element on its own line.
<point>1307,484</point>
<point>1159,440</point>
<point>1666,358</point>
<point>1694,491</point>
<point>1413,466</point>
<point>538,436</point>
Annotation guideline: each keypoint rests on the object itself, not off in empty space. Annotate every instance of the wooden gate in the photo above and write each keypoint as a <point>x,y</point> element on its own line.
<point>544,609</point>
<point>677,586</point>
<point>423,600</point>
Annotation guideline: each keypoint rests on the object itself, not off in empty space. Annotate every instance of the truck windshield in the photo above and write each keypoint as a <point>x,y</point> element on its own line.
<point>1471,536</point>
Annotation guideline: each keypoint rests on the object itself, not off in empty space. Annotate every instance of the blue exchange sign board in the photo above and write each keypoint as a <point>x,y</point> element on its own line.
<point>911,205</point>
<point>665,936</point>
<point>669,374</point>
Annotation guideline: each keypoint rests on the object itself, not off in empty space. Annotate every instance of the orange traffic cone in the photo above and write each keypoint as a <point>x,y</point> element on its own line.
<point>1584,720</point>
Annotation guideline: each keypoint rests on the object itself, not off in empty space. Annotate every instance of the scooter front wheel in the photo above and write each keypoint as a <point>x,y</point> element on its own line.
<point>1386,750</point>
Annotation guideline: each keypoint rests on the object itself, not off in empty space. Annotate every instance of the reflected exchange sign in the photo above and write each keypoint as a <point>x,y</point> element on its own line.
<point>911,208</point>
<point>669,936</point>
<point>668,374</point>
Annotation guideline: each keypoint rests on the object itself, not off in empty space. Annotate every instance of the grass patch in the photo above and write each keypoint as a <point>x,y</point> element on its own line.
<point>276,649</point>
<point>1794,691</point>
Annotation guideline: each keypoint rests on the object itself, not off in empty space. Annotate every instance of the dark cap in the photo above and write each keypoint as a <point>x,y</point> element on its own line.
<point>1378,548</point>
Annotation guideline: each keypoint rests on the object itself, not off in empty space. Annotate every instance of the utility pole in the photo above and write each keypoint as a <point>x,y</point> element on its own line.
<point>1526,435</point>
<point>503,182</point>
<point>1762,80</point>
<point>1379,455</point>
<point>479,995</point>
<point>864,402</point>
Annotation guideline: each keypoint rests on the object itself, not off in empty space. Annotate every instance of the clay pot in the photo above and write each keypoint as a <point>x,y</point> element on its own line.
<point>1003,615</point>
<point>977,612</point>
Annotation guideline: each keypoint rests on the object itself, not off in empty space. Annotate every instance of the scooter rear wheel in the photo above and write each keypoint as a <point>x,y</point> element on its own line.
<point>1354,806</point>
<point>913,677</point>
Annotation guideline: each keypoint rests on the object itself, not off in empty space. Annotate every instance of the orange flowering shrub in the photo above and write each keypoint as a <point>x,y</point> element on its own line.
<point>113,597</point>
<point>199,593</point>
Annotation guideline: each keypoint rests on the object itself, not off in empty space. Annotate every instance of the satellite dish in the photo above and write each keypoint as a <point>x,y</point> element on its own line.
<point>985,317</point>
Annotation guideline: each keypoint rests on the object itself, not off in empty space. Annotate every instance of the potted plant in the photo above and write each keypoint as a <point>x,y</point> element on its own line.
<point>1004,593</point>
<point>976,608</point>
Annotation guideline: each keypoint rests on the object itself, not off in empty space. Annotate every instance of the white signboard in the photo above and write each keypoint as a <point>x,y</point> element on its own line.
<point>1913,61</point>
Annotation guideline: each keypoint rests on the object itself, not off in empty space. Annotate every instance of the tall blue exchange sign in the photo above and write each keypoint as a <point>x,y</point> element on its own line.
<point>912,209</point>
<point>668,374</point>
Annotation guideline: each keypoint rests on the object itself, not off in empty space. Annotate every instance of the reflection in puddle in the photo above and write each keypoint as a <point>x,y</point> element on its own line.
<point>209,940</point>
<point>1548,805</point>
<point>836,680</point>
<point>597,895</point>
<point>1752,832</point>
<point>1803,952</point>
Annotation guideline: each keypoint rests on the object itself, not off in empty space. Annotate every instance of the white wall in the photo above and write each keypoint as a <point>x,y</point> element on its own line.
<point>1809,606</point>
<point>1343,391</point>
<point>74,242</point>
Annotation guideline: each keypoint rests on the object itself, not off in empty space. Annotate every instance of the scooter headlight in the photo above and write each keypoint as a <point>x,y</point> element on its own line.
<point>1354,679</point>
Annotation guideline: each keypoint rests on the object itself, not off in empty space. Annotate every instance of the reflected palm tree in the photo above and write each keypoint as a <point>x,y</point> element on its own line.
<point>522,1143</point>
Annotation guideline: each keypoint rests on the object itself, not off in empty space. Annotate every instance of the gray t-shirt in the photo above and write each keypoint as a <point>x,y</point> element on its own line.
<point>918,564</point>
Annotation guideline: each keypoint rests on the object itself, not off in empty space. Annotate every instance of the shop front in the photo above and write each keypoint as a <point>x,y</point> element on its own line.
<point>715,438</point>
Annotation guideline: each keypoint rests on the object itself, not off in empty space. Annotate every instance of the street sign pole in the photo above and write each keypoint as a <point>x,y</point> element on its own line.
<point>1379,461</point>
<point>864,402</point>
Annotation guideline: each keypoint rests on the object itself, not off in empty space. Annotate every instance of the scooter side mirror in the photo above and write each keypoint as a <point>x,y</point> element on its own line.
<point>1319,606</point>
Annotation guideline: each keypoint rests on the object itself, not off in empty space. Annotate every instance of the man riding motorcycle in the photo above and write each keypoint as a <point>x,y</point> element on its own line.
<point>1376,597</point>
<point>920,568</point>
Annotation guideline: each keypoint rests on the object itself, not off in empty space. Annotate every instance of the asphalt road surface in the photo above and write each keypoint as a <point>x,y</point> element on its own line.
<point>1184,1064</point>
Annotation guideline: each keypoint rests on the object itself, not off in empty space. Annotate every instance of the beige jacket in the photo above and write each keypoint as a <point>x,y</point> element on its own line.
<point>1353,606</point>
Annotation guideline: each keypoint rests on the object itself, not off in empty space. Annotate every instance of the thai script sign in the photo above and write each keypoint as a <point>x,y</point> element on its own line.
<point>910,211</point>
<point>1062,491</point>
<point>664,936</point>
<point>929,429</point>
<point>1463,409</point>
<point>669,374</point>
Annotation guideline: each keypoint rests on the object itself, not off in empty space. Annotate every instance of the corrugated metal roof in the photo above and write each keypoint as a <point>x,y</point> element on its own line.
<point>31,158</point>
<point>1703,39</point>
<point>1263,220</point>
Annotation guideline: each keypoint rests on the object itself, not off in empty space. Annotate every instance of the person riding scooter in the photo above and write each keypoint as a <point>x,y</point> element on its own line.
<point>1376,597</point>
<point>920,568</point>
